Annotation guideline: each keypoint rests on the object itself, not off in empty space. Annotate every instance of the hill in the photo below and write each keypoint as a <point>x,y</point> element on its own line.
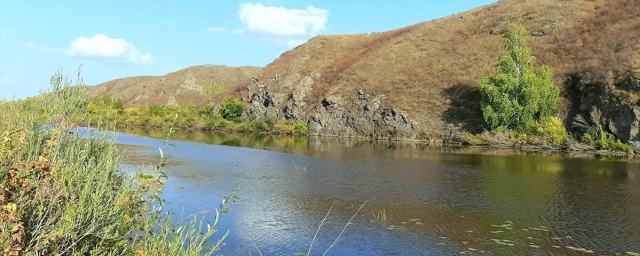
<point>190,85</point>
<point>419,82</point>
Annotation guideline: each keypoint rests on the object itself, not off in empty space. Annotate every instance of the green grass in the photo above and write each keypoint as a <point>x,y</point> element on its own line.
<point>64,194</point>
<point>109,112</point>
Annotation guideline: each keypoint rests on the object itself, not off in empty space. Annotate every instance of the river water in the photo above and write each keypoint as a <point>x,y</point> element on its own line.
<point>420,200</point>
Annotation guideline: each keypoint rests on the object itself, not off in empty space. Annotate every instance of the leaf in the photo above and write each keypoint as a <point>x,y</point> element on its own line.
<point>153,218</point>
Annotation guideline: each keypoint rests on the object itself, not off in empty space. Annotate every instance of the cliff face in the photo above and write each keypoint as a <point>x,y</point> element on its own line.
<point>419,82</point>
<point>193,85</point>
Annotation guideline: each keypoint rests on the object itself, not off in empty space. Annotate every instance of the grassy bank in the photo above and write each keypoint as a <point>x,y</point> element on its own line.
<point>226,117</point>
<point>64,194</point>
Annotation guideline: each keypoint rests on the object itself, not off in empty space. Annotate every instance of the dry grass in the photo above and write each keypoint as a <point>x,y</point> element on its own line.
<point>429,70</point>
<point>416,67</point>
<point>189,85</point>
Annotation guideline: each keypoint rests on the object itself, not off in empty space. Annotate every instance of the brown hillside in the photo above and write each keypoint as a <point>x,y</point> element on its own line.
<point>429,70</point>
<point>190,85</point>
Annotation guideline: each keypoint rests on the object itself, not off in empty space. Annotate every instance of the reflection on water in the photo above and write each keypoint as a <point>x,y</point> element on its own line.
<point>437,201</point>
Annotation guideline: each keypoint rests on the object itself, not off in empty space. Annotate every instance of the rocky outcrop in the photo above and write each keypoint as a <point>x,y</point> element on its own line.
<point>361,115</point>
<point>617,97</point>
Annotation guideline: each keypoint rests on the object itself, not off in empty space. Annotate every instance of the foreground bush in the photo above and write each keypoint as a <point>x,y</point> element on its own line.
<point>62,193</point>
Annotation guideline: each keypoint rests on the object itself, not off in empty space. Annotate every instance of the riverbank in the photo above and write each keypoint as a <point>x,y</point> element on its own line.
<point>573,148</point>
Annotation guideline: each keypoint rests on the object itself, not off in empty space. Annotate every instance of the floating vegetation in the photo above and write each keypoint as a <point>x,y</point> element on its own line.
<point>539,229</point>
<point>579,249</point>
<point>381,216</point>
<point>502,226</point>
<point>504,242</point>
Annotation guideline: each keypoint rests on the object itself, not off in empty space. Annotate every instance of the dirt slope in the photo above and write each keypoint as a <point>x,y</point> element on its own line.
<point>419,81</point>
<point>190,85</point>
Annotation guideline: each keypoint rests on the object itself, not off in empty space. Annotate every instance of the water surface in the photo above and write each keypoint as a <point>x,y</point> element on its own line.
<point>421,200</point>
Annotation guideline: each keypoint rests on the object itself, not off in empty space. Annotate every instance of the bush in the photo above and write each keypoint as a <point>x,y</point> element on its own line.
<point>206,111</point>
<point>301,127</point>
<point>517,95</point>
<point>65,194</point>
<point>231,108</point>
<point>549,131</point>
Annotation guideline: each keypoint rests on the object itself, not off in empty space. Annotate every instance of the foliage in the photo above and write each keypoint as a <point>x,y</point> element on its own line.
<point>549,131</point>
<point>104,111</point>
<point>517,96</point>
<point>231,108</point>
<point>301,127</point>
<point>62,193</point>
<point>599,132</point>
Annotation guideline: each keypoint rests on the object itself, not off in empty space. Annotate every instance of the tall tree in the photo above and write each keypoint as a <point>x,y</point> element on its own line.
<point>517,95</point>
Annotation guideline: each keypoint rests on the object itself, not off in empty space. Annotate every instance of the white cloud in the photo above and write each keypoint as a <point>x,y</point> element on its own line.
<point>295,42</point>
<point>216,29</point>
<point>113,49</point>
<point>238,31</point>
<point>290,26</point>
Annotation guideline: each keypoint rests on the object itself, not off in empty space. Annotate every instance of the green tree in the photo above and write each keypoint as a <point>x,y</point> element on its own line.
<point>518,96</point>
<point>231,108</point>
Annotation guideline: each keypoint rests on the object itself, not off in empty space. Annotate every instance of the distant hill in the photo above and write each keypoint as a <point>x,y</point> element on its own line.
<point>190,85</point>
<point>420,81</point>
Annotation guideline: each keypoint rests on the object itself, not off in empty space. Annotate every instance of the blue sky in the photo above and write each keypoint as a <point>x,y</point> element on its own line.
<point>117,38</point>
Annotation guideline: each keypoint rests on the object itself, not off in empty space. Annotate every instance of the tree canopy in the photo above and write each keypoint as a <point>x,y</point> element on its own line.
<point>518,96</point>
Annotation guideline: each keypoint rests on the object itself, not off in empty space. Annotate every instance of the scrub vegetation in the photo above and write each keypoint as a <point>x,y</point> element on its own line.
<point>63,192</point>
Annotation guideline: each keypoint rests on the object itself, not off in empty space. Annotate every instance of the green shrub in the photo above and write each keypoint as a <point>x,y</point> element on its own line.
<point>549,131</point>
<point>284,127</point>
<point>301,127</point>
<point>517,95</point>
<point>207,111</point>
<point>66,194</point>
<point>231,108</point>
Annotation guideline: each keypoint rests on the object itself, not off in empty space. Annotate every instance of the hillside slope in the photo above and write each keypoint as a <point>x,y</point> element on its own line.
<point>419,82</point>
<point>190,85</point>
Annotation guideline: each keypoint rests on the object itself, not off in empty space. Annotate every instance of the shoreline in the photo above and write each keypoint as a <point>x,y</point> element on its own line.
<point>573,148</point>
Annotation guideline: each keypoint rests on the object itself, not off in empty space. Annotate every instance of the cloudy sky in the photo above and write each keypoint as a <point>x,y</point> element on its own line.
<point>118,38</point>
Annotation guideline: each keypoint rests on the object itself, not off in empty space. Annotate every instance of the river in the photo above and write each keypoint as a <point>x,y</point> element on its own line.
<point>420,200</point>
